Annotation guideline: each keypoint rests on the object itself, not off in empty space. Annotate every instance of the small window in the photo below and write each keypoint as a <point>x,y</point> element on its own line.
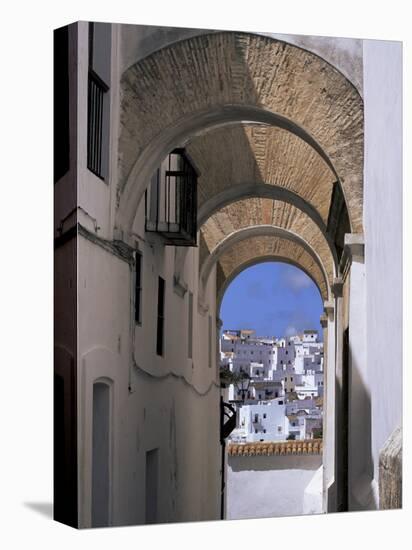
<point>98,99</point>
<point>264,431</point>
<point>264,415</point>
<point>280,402</point>
<point>279,429</point>
<point>138,289</point>
<point>160,316</point>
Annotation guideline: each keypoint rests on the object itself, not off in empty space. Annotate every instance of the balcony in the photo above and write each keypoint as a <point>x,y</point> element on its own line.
<point>171,201</point>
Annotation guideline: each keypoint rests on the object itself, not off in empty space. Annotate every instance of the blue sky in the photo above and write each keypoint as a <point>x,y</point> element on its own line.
<point>274,298</point>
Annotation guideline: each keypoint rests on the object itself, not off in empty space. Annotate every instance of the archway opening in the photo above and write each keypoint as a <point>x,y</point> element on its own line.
<point>272,372</point>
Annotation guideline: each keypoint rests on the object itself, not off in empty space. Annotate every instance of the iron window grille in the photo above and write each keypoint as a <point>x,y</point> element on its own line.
<point>98,99</point>
<point>171,201</point>
<point>96,92</point>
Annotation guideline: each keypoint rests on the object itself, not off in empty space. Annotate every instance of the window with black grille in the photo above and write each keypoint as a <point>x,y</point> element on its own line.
<point>98,99</point>
<point>171,200</point>
<point>338,219</point>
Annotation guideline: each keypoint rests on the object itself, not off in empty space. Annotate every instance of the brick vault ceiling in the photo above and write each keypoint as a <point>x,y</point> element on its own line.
<point>207,72</point>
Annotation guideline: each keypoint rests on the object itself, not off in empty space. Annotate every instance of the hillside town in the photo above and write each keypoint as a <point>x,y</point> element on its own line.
<point>275,384</point>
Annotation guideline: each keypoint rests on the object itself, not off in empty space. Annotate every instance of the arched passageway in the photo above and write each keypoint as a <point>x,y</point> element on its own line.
<point>270,138</point>
<point>278,441</point>
<point>276,140</point>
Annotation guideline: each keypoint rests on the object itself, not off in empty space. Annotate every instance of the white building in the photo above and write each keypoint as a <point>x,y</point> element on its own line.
<point>263,421</point>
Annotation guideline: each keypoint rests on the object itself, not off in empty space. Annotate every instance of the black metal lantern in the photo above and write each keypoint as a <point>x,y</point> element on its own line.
<point>242,384</point>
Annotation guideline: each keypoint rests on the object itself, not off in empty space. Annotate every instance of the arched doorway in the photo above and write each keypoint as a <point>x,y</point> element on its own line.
<point>266,472</point>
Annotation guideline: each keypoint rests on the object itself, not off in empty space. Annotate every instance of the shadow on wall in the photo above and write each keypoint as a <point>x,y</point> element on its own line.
<point>268,463</point>
<point>361,484</point>
<point>274,486</point>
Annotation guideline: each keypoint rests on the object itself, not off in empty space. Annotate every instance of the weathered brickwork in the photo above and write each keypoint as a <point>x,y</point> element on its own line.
<point>390,472</point>
<point>243,154</point>
<point>207,72</point>
<point>259,248</point>
<point>256,211</point>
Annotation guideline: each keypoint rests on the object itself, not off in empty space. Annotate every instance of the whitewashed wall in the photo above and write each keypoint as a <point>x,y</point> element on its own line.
<point>383,241</point>
<point>170,402</point>
<point>270,486</point>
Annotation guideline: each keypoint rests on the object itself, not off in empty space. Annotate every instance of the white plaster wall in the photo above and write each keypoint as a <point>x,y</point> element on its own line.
<point>383,235</point>
<point>343,53</point>
<point>173,402</point>
<point>96,198</point>
<point>312,497</point>
<point>269,486</point>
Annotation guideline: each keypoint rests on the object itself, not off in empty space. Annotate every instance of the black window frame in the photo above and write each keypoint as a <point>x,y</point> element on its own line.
<point>97,112</point>
<point>138,288</point>
<point>161,294</point>
<point>190,326</point>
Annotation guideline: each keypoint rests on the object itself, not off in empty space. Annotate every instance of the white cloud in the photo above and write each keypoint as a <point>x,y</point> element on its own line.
<point>296,280</point>
<point>290,331</point>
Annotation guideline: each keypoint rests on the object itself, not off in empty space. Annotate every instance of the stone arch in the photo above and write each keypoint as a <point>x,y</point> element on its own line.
<point>270,258</point>
<point>259,231</point>
<point>246,154</point>
<point>210,80</point>
<point>257,190</point>
<point>262,248</point>
<point>253,212</point>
